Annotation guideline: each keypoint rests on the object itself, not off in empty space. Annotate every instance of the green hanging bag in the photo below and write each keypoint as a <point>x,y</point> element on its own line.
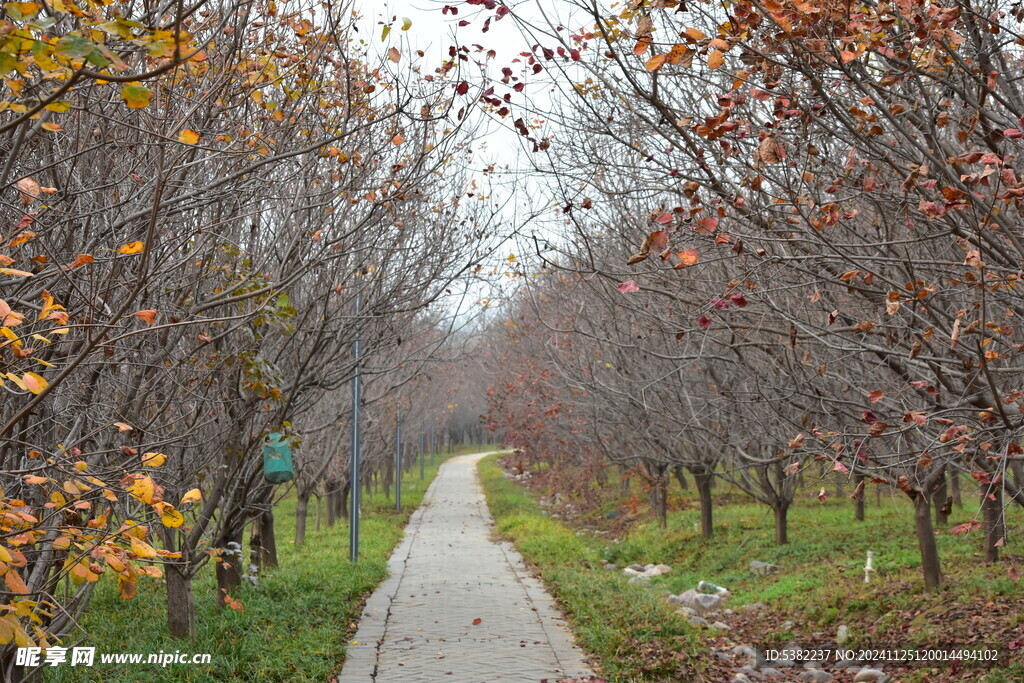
<point>277,459</point>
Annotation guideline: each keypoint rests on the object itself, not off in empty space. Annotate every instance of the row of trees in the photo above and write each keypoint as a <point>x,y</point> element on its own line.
<point>792,247</point>
<point>204,205</point>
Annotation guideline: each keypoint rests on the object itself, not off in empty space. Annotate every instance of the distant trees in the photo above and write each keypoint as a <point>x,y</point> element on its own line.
<point>822,209</point>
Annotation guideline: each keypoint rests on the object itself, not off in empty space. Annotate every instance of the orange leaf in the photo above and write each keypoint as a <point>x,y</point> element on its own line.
<point>716,59</point>
<point>188,137</point>
<point>687,257</point>
<point>15,582</point>
<point>81,260</point>
<point>149,315</point>
<point>656,62</point>
<point>132,248</point>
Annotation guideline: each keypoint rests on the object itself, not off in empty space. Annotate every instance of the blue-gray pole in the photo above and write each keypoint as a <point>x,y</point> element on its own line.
<point>421,455</point>
<point>398,461</point>
<point>355,488</point>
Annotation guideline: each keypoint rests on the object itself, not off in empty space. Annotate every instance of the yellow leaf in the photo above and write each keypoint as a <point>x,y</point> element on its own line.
<point>188,137</point>
<point>193,496</point>
<point>132,248</point>
<point>171,517</point>
<point>142,549</point>
<point>5,555</point>
<point>6,632</point>
<point>62,543</point>
<point>15,273</point>
<point>153,459</point>
<point>142,489</point>
<point>34,383</point>
<point>136,96</point>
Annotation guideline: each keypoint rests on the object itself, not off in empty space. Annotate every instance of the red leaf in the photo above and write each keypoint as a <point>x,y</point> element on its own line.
<point>477,621</point>
<point>876,396</point>
<point>965,528</point>
<point>628,287</point>
<point>868,417</point>
<point>704,322</point>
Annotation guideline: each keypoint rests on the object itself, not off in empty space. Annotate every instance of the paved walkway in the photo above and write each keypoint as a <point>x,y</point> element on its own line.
<point>458,606</point>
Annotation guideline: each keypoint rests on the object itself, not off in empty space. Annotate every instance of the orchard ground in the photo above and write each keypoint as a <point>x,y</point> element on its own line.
<point>295,622</point>
<point>637,636</point>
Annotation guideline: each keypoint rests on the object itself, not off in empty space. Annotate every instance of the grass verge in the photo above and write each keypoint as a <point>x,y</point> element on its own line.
<point>631,632</point>
<point>295,623</point>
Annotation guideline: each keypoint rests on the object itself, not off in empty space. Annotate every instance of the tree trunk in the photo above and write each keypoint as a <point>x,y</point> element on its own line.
<point>341,501</point>
<point>332,507</point>
<point>301,513</point>
<point>858,502</point>
<point>703,481</point>
<point>181,604</point>
<point>926,541</point>
<point>229,569</point>
<point>658,494</point>
<point>992,515</point>
<point>781,524</point>
<point>681,478</point>
<point>954,486</point>
<point>942,502</point>
<point>268,540</point>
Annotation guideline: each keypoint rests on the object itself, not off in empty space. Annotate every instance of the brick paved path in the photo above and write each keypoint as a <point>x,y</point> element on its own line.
<point>446,574</point>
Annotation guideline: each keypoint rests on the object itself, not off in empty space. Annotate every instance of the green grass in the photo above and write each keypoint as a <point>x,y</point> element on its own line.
<point>633,633</point>
<point>295,623</point>
<point>823,564</point>
<point>821,582</point>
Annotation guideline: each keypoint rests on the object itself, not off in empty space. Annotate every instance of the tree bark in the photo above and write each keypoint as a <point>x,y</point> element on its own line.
<point>781,524</point>
<point>268,540</point>
<point>926,541</point>
<point>341,501</point>
<point>181,604</point>
<point>659,494</point>
<point>703,481</point>
<point>858,502</point>
<point>681,478</point>
<point>992,515</point>
<point>301,514</point>
<point>229,569</point>
<point>954,486</point>
<point>332,507</point>
<point>942,502</point>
